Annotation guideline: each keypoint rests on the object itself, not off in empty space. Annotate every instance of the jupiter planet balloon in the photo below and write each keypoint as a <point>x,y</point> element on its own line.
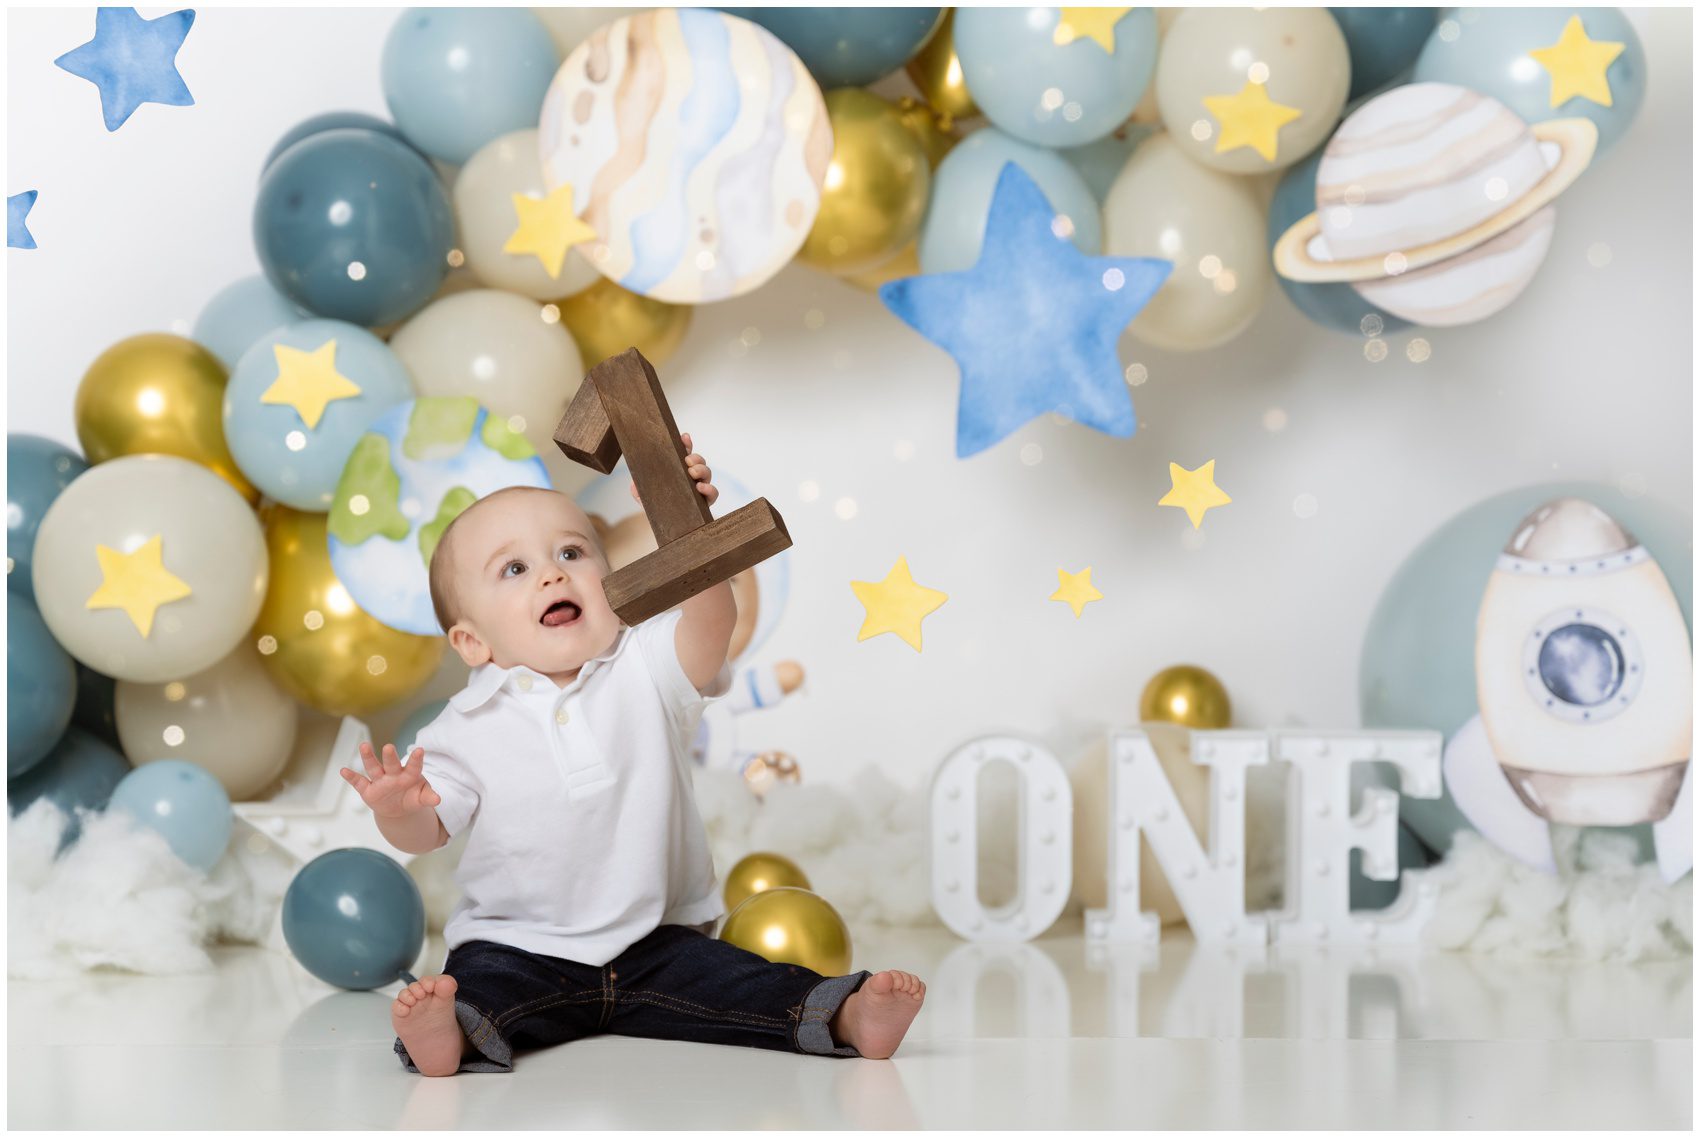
<point>695,144</point>
<point>1433,201</point>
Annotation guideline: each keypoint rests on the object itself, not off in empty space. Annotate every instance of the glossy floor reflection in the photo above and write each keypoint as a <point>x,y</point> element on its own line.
<point>1048,1034</point>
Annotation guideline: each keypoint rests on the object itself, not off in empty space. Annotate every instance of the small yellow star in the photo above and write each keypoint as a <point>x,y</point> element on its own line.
<point>307,381</point>
<point>1578,65</point>
<point>1075,590</point>
<point>548,227</point>
<point>136,582</point>
<point>1194,491</point>
<point>1096,24</point>
<point>896,604</point>
<point>1250,118</point>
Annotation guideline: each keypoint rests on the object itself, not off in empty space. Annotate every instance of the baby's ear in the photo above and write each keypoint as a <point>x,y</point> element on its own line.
<point>467,644</point>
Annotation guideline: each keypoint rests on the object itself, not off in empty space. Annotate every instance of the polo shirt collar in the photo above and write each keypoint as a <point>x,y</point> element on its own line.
<point>489,678</point>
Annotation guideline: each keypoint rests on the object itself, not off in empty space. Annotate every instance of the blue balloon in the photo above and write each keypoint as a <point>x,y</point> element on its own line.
<point>1048,94</point>
<point>80,771</point>
<point>455,78</point>
<point>354,918</point>
<point>184,803</point>
<point>295,462</point>
<point>97,705</point>
<point>241,313</point>
<point>331,120</point>
<point>41,687</point>
<point>37,469</point>
<point>847,47</point>
<point>1418,667</point>
<point>353,225</point>
<point>1382,42</point>
<point>417,720</point>
<point>1100,162</point>
<point>955,224</point>
<point>1487,50</point>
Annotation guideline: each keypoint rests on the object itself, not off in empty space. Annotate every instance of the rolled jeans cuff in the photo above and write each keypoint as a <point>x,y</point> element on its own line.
<point>494,1053</point>
<point>814,1035</point>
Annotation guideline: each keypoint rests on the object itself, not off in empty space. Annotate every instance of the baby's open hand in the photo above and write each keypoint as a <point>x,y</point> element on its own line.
<point>697,467</point>
<point>390,789</point>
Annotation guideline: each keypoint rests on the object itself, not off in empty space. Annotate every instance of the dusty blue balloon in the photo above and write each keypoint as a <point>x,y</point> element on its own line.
<point>455,78</point>
<point>97,705</point>
<point>1418,667</point>
<point>847,47</point>
<point>1382,42</point>
<point>1053,95</point>
<point>354,918</point>
<point>37,469</point>
<point>241,313</point>
<point>293,462</point>
<point>1487,50</point>
<point>419,719</point>
<point>331,120</point>
<point>1333,305</point>
<point>353,225</point>
<point>1366,892</point>
<point>955,223</point>
<point>1100,162</point>
<point>41,687</point>
<point>80,771</point>
<point>184,803</point>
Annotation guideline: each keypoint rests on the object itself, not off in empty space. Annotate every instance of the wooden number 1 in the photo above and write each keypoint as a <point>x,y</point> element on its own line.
<point>620,409</point>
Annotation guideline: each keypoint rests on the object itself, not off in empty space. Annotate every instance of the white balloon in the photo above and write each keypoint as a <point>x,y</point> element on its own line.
<point>484,209</point>
<point>569,27</point>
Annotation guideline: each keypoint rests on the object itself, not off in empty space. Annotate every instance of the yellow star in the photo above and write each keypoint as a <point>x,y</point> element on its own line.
<point>896,604</point>
<point>307,381</point>
<point>1194,491</point>
<point>1250,118</point>
<point>136,582</point>
<point>1096,24</point>
<point>1578,65</point>
<point>548,227</point>
<point>1075,589</point>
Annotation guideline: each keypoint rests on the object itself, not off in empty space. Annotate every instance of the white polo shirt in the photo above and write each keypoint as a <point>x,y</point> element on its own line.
<point>585,833</point>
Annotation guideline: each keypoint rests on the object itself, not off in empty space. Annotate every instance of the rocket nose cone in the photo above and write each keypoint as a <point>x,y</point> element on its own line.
<point>1568,529</point>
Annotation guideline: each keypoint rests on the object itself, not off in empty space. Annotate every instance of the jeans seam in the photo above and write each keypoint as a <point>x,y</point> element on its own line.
<point>607,995</point>
<point>754,1019</point>
<point>543,1004</point>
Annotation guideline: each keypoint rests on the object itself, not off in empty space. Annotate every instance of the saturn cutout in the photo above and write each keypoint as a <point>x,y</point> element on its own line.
<point>1434,203</point>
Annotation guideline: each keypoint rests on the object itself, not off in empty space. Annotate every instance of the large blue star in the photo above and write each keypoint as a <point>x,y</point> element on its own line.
<point>1033,325</point>
<point>17,208</point>
<point>132,61</point>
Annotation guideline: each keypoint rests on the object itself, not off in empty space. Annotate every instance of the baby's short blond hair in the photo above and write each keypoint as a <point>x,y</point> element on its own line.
<point>441,570</point>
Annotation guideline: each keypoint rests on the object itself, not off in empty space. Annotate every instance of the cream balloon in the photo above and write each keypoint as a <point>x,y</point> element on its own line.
<point>1210,224</point>
<point>484,209</point>
<point>230,720</point>
<point>1249,90</point>
<point>569,27</point>
<point>170,556</point>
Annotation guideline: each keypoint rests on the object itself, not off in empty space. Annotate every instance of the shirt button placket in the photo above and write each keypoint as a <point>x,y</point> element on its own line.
<point>561,716</point>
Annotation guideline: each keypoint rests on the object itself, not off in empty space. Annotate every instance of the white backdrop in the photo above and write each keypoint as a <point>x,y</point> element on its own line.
<point>848,428</point>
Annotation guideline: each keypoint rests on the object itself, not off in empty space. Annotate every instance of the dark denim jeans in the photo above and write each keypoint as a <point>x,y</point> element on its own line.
<point>675,983</point>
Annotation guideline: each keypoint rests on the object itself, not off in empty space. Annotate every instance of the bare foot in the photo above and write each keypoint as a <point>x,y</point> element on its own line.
<point>875,1017</point>
<point>424,1019</point>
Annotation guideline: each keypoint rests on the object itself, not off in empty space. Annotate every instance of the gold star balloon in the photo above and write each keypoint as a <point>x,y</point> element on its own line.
<point>137,582</point>
<point>1194,491</point>
<point>1075,590</point>
<point>308,381</point>
<point>896,604</point>
<point>1578,65</point>
<point>1249,118</point>
<point>548,227</point>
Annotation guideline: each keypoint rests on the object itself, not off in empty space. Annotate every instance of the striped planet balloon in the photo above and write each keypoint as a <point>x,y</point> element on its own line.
<point>1471,286</point>
<point>695,143</point>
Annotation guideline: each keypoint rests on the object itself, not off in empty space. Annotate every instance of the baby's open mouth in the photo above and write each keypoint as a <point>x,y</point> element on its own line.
<point>559,613</point>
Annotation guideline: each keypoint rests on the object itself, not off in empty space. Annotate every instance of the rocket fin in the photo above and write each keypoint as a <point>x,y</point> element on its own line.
<point>1478,786</point>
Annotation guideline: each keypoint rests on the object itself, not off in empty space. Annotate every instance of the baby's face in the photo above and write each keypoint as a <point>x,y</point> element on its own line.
<point>528,581</point>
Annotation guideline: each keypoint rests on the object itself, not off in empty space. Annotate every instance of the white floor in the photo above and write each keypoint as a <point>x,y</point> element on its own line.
<point>1048,1034</point>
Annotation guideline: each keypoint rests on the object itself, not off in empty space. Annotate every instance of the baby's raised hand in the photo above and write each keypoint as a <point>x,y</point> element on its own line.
<point>697,467</point>
<point>390,789</point>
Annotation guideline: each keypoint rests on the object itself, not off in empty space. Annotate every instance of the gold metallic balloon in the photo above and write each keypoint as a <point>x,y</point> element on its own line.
<point>1186,695</point>
<point>315,642</point>
<point>933,129</point>
<point>606,319</point>
<point>938,73</point>
<point>876,186</point>
<point>758,872</point>
<point>157,394</point>
<point>788,925</point>
<point>905,264</point>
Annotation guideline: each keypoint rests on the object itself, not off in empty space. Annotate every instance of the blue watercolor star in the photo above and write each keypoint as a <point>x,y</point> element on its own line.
<point>1033,325</point>
<point>132,61</point>
<point>17,208</point>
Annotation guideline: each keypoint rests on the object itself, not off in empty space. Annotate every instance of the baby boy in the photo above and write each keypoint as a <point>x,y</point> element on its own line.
<point>589,898</point>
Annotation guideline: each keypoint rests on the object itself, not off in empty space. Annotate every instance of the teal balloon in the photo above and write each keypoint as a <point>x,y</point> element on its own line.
<point>354,918</point>
<point>1382,42</point>
<point>97,705</point>
<point>37,469</point>
<point>1367,893</point>
<point>183,803</point>
<point>353,225</point>
<point>41,687</point>
<point>1052,95</point>
<point>291,462</point>
<point>1335,306</point>
<point>416,721</point>
<point>241,313</point>
<point>1490,54</point>
<point>331,120</point>
<point>80,772</point>
<point>456,78</point>
<point>1100,162</point>
<point>955,223</point>
<point>847,47</point>
<point>1418,666</point>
